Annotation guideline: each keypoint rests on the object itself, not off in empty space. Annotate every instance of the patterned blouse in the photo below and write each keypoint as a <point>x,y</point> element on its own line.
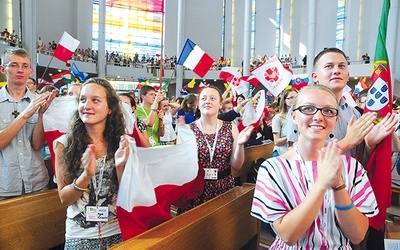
<point>283,184</point>
<point>221,161</point>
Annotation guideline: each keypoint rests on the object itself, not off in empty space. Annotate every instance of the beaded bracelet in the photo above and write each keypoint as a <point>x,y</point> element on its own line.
<point>344,208</point>
<point>76,188</point>
<point>343,186</point>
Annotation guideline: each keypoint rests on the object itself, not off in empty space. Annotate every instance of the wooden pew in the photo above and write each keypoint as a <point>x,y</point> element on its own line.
<point>221,223</point>
<point>250,155</point>
<point>34,221</point>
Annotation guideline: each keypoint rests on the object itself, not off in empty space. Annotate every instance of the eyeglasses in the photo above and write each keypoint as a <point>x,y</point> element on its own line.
<point>15,65</point>
<point>311,110</point>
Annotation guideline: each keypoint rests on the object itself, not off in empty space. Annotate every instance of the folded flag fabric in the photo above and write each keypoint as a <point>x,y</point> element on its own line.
<point>201,86</point>
<point>234,78</point>
<point>78,74</point>
<point>361,85</point>
<point>64,76</point>
<point>149,185</point>
<point>299,81</point>
<point>42,82</point>
<point>164,86</point>
<point>55,124</point>
<point>192,83</point>
<point>252,115</point>
<point>194,58</point>
<point>66,47</point>
<point>348,96</point>
<point>273,75</point>
<point>228,73</point>
<point>252,80</point>
<point>243,87</point>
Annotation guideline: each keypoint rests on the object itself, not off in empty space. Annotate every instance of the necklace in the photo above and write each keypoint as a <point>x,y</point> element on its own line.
<point>15,113</point>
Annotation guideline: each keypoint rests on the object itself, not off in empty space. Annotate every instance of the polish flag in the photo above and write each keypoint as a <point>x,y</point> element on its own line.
<point>149,185</point>
<point>194,58</point>
<point>56,120</point>
<point>66,47</point>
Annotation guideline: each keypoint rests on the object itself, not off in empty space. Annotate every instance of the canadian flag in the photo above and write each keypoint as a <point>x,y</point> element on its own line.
<point>66,47</point>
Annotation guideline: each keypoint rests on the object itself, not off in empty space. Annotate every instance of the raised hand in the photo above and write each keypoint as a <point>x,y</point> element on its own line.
<point>39,103</point>
<point>330,165</point>
<point>50,97</point>
<point>122,153</point>
<point>357,130</point>
<point>88,161</point>
<point>244,135</point>
<point>381,130</point>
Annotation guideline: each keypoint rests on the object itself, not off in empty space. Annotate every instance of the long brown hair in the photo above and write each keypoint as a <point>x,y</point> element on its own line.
<point>78,138</point>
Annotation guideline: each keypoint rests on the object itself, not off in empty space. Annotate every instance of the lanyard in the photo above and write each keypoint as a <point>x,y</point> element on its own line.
<point>96,187</point>
<point>326,198</point>
<point>302,163</point>
<point>211,150</point>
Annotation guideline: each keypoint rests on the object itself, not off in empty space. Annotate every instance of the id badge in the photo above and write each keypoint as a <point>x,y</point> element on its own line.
<point>152,141</point>
<point>211,174</point>
<point>94,213</point>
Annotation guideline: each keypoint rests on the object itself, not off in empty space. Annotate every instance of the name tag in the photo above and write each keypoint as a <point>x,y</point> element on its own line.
<point>94,213</point>
<point>211,174</point>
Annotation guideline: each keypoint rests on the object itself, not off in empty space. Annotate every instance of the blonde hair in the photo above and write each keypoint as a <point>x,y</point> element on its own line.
<point>304,91</point>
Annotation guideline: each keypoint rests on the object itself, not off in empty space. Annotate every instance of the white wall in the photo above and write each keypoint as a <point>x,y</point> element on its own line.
<point>56,16</point>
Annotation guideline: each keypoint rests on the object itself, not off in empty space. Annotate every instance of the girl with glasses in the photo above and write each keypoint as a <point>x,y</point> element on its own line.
<point>314,196</point>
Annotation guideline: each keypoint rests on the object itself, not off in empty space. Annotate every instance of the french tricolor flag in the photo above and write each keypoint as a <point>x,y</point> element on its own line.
<point>194,58</point>
<point>66,47</point>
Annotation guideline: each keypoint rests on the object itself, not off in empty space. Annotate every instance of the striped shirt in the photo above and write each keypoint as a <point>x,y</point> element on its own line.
<point>283,184</point>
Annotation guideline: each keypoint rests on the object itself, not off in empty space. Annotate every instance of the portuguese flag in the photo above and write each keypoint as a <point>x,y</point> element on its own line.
<point>379,100</point>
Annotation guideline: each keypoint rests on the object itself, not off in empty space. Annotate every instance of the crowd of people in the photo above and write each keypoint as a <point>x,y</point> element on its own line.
<point>10,38</point>
<point>150,61</point>
<point>314,191</point>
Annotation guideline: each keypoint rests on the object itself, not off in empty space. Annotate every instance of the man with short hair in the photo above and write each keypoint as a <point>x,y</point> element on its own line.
<point>22,168</point>
<point>150,114</point>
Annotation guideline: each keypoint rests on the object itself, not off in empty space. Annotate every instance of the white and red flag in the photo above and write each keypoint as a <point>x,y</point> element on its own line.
<point>234,78</point>
<point>66,47</point>
<point>149,185</point>
<point>56,120</point>
<point>273,75</point>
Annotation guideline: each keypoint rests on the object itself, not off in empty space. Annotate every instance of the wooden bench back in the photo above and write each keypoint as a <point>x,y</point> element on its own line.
<point>34,221</point>
<point>251,154</point>
<point>221,223</point>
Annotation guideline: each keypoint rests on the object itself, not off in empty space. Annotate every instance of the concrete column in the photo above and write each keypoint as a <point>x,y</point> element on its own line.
<point>247,38</point>
<point>179,45</point>
<point>101,63</point>
<point>312,23</point>
<point>28,33</point>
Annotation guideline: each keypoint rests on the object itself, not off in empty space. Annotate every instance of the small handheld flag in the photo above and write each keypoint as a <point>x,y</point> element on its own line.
<point>194,58</point>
